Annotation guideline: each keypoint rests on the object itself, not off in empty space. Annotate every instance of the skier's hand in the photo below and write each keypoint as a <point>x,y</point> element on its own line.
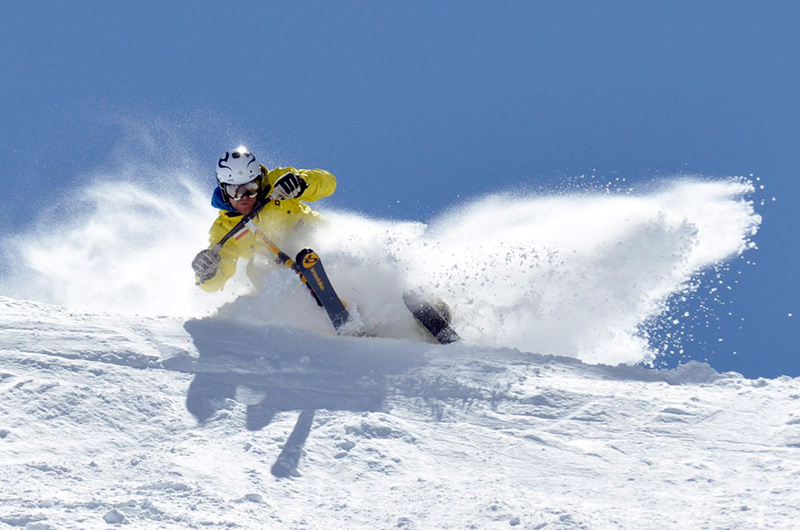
<point>290,186</point>
<point>205,264</point>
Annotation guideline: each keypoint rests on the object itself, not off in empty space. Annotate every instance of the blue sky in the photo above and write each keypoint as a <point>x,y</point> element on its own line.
<point>430,103</point>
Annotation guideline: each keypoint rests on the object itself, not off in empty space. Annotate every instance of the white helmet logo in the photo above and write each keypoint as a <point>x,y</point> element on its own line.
<point>237,167</point>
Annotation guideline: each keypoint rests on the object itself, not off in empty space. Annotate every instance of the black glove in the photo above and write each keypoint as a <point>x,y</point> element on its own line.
<point>290,186</point>
<point>205,264</point>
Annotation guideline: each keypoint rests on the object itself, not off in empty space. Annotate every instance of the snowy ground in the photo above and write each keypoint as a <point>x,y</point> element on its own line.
<point>112,420</point>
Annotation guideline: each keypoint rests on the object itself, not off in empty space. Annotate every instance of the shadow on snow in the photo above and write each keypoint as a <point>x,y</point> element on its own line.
<point>273,369</point>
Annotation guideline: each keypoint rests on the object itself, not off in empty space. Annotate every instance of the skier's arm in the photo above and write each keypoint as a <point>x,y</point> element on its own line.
<point>229,256</point>
<point>320,183</point>
<point>227,266</point>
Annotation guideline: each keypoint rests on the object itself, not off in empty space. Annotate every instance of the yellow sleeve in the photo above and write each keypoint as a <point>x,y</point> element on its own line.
<point>229,256</point>
<point>321,183</point>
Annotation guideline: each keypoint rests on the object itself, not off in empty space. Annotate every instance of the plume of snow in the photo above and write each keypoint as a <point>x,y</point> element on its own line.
<point>572,274</point>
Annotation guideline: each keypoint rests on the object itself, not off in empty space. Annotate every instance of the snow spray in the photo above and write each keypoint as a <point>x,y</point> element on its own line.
<point>577,274</point>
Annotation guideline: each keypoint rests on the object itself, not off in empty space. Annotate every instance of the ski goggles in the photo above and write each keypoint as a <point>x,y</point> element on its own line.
<point>237,192</point>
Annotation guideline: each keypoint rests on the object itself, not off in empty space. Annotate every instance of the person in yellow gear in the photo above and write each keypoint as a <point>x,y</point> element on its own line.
<point>242,184</point>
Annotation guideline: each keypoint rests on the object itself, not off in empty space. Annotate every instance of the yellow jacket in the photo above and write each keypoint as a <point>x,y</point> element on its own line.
<point>281,221</point>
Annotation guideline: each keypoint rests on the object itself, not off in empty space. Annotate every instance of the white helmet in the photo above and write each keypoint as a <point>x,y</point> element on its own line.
<point>238,166</point>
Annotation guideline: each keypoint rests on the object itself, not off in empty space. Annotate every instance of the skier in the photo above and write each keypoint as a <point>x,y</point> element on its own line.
<point>243,183</point>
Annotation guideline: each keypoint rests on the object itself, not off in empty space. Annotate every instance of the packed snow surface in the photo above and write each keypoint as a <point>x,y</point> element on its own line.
<point>142,422</point>
<point>129,397</point>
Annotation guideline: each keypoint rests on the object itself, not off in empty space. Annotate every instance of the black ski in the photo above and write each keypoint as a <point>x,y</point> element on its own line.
<point>435,318</point>
<point>310,266</point>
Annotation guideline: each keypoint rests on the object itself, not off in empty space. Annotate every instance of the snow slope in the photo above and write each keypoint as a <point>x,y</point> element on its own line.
<point>162,422</point>
<point>129,397</point>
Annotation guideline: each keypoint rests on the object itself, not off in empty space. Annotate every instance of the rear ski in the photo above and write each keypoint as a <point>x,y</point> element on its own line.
<point>434,317</point>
